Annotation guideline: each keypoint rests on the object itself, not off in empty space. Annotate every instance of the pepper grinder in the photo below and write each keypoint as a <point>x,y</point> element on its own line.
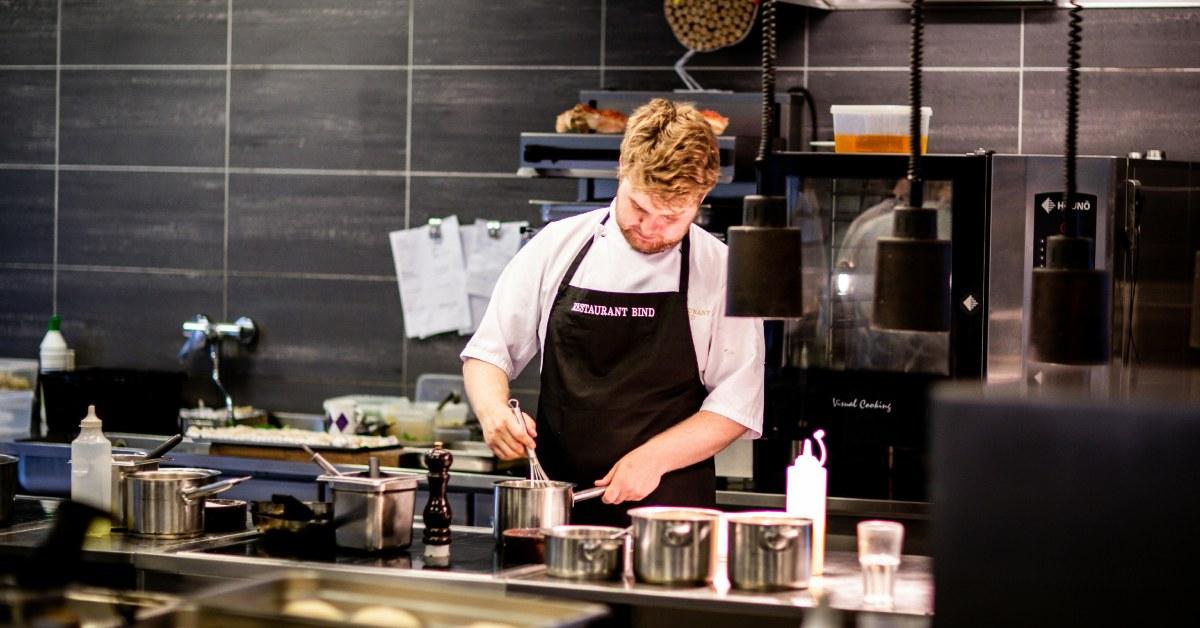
<point>437,513</point>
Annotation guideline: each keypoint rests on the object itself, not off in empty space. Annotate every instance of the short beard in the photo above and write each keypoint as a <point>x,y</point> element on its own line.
<point>657,248</point>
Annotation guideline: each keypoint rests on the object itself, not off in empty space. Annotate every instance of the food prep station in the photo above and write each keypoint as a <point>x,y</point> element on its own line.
<point>193,568</point>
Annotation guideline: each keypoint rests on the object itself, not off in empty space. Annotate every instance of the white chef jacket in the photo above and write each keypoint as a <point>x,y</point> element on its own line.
<point>729,351</point>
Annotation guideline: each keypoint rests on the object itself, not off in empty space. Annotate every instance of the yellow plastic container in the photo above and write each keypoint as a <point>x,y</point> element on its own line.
<point>876,128</point>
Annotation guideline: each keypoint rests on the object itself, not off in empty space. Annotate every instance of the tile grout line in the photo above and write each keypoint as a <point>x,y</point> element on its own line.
<point>1021,89</point>
<point>228,124</point>
<point>603,37</point>
<point>804,80</point>
<point>408,124</point>
<point>57,125</point>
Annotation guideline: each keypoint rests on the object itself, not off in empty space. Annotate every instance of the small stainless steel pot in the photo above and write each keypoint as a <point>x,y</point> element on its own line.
<point>373,513</point>
<point>535,504</point>
<point>585,552</point>
<point>225,515</point>
<point>769,551</point>
<point>675,546</point>
<point>8,487</point>
<point>169,503</point>
<point>123,466</point>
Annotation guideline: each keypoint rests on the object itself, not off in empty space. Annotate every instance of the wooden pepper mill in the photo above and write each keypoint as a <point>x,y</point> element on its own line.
<point>437,513</point>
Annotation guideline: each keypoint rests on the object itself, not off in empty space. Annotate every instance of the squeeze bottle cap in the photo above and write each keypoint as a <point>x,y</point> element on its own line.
<point>91,420</point>
<point>806,456</point>
<point>55,323</point>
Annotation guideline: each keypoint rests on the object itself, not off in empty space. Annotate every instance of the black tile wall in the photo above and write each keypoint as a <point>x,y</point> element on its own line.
<point>1119,112</point>
<point>487,199</point>
<point>307,224</point>
<point>142,117</point>
<point>141,219</point>
<point>1127,38</point>
<point>27,32</point>
<point>25,305</point>
<point>27,116</point>
<point>467,32</point>
<point>881,38</point>
<point>143,31</point>
<point>342,331</point>
<point>132,319</point>
<point>471,120</point>
<point>970,110</point>
<point>364,32</point>
<point>26,216</point>
<point>294,232</point>
<point>318,119</point>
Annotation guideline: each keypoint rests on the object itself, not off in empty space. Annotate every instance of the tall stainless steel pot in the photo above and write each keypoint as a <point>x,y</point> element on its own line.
<point>169,503</point>
<point>123,466</point>
<point>535,504</point>
<point>8,487</point>
<point>675,546</point>
<point>769,551</point>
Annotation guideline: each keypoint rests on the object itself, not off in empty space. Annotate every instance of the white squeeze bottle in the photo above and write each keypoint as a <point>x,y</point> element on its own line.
<point>91,470</point>
<point>806,483</point>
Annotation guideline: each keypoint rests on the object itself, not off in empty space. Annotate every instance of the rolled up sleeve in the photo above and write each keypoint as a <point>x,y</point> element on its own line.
<point>735,370</point>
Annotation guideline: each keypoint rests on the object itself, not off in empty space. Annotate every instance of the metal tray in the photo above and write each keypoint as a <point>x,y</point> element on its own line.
<point>261,602</point>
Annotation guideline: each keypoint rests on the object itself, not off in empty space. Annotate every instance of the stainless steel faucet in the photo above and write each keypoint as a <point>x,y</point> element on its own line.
<point>202,333</point>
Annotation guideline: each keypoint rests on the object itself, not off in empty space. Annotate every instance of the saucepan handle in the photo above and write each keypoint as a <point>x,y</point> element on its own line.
<point>587,493</point>
<point>200,492</point>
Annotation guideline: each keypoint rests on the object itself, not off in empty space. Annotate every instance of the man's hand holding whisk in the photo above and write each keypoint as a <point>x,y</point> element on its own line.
<point>508,438</point>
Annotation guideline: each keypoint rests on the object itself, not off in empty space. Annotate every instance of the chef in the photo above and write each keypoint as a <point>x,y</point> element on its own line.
<point>643,376</point>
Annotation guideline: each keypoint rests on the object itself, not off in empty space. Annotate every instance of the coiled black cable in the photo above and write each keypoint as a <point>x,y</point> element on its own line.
<point>916,192</point>
<point>768,92</point>
<point>1074,46</point>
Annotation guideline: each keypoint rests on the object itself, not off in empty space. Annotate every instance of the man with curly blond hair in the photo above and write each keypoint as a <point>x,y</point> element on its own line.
<point>643,377</point>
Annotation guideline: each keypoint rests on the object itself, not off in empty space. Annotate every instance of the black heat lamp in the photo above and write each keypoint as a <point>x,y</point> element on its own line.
<point>912,268</point>
<point>1070,318</point>
<point>764,253</point>
<point>764,262</point>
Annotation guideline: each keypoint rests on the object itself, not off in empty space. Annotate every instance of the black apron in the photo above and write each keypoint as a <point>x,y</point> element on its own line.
<point>618,369</point>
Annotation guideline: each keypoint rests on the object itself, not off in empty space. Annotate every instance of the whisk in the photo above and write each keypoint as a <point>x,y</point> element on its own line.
<point>536,473</point>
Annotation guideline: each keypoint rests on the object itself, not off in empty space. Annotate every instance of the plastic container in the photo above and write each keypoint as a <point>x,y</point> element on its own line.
<point>433,388</point>
<point>91,468</point>
<point>53,352</point>
<point>876,128</point>
<point>17,379</point>
<point>411,423</point>
<point>806,488</point>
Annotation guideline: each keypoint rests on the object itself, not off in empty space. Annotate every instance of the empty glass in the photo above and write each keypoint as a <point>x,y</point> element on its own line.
<point>879,554</point>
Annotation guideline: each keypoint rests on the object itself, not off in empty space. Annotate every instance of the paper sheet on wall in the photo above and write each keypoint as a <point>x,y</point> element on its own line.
<point>486,257</point>
<point>433,279</point>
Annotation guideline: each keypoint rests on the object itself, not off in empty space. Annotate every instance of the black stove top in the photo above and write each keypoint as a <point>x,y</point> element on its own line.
<point>470,552</point>
<point>29,510</point>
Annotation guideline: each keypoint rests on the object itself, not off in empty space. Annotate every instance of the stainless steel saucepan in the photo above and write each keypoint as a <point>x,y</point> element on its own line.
<point>169,503</point>
<point>535,504</point>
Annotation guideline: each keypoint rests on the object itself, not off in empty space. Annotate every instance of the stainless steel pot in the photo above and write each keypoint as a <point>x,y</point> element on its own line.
<point>373,513</point>
<point>123,466</point>
<point>169,503</point>
<point>8,487</point>
<point>535,504</point>
<point>585,552</point>
<point>675,546</point>
<point>769,551</point>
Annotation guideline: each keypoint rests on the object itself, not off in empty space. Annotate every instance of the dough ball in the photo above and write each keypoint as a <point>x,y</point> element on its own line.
<point>312,608</point>
<point>385,616</point>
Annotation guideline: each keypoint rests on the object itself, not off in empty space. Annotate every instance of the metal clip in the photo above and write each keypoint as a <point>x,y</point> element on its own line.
<point>435,228</point>
<point>493,228</point>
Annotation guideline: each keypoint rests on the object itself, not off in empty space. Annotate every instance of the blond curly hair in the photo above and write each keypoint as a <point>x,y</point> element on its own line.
<point>669,151</point>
